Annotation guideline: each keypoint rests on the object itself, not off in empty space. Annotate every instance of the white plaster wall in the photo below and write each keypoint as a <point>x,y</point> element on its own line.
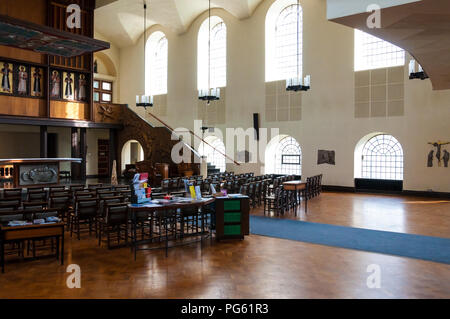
<point>328,120</point>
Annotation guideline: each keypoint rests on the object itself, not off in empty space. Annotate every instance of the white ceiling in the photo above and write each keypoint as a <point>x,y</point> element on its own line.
<point>122,21</point>
<point>422,28</point>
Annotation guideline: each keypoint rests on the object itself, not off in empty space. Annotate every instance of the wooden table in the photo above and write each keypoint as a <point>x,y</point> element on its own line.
<point>150,209</point>
<point>297,186</point>
<point>294,186</point>
<point>32,232</point>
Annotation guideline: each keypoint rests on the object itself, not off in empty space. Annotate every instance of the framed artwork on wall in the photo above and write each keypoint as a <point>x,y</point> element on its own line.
<point>21,80</point>
<point>55,84</point>
<point>6,72</point>
<point>326,157</point>
<point>69,86</point>
<point>37,81</point>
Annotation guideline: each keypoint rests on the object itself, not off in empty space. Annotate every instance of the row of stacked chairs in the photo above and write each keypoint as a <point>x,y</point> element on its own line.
<point>313,186</point>
<point>281,200</point>
<point>17,198</point>
<point>90,208</point>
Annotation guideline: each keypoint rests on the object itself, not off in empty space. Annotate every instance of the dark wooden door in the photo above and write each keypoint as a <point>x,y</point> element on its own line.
<point>103,158</point>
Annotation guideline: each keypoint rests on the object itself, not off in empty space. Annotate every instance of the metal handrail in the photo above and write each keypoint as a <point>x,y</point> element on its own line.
<point>195,135</point>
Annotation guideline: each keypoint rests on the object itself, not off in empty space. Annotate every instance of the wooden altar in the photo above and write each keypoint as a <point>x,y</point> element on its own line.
<point>29,172</point>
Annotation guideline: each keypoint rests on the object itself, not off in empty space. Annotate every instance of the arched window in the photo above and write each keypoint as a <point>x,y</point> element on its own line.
<point>288,157</point>
<point>284,40</point>
<point>373,53</point>
<point>218,65</point>
<point>382,158</point>
<point>156,64</point>
<point>214,152</point>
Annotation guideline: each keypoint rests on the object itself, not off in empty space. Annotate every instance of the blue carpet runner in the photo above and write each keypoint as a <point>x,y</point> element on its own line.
<point>405,245</point>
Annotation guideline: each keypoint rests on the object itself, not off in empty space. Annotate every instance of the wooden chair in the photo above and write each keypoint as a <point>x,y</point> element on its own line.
<point>12,193</point>
<point>84,195</point>
<point>251,194</point>
<point>104,194</point>
<point>165,185</point>
<point>85,213</point>
<point>10,204</point>
<point>119,188</point>
<point>13,247</point>
<point>125,194</point>
<point>115,222</point>
<point>95,185</point>
<point>274,186</point>
<point>53,189</point>
<point>173,184</point>
<point>61,203</point>
<point>36,196</point>
<point>32,206</point>
<point>189,221</point>
<point>105,201</point>
<point>101,189</point>
<point>244,190</point>
<point>76,188</point>
<point>39,244</point>
<point>60,193</point>
<point>274,202</point>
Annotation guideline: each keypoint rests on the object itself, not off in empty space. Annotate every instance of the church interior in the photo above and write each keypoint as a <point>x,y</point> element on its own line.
<point>211,149</point>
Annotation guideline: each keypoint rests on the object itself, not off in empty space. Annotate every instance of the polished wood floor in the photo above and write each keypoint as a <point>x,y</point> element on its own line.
<point>258,267</point>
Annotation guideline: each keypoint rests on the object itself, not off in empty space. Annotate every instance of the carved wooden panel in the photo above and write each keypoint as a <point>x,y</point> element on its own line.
<point>36,12</point>
<point>108,113</point>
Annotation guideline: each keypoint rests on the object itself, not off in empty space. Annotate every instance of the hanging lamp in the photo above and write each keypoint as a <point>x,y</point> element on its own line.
<point>298,83</point>
<point>144,100</point>
<point>209,94</point>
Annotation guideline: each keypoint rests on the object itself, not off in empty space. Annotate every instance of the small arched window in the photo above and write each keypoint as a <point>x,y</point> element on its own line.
<point>214,152</point>
<point>212,70</point>
<point>382,158</point>
<point>284,41</point>
<point>288,157</point>
<point>156,64</point>
<point>373,53</point>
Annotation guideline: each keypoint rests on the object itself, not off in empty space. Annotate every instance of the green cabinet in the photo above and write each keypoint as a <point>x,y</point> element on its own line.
<point>232,218</point>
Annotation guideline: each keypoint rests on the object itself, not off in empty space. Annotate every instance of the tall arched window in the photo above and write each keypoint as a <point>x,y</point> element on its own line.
<point>156,64</point>
<point>382,158</point>
<point>214,152</point>
<point>288,157</point>
<point>373,53</point>
<point>218,66</point>
<point>284,40</point>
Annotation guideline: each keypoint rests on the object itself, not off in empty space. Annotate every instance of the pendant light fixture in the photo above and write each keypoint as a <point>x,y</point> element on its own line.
<point>144,100</point>
<point>420,74</point>
<point>209,94</point>
<point>297,83</point>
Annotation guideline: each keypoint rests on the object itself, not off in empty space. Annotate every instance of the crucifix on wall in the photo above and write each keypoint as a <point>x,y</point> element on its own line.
<point>446,157</point>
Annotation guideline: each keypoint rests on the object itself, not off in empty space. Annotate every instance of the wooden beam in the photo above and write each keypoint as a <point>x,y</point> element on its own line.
<point>22,120</point>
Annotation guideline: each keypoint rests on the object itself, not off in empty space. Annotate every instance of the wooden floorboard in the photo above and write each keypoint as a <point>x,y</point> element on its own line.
<point>259,267</point>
